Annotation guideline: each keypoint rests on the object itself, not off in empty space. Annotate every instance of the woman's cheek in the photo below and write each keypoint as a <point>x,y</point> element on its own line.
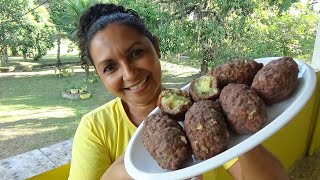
<point>114,84</point>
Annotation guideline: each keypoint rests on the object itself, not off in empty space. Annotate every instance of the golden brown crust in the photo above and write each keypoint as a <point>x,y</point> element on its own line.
<point>238,71</point>
<point>244,109</point>
<point>277,80</point>
<point>206,129</point>
<point>166,141</point>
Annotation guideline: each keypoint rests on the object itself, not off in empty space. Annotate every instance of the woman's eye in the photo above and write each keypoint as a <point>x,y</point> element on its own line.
<point>109,68</point>
<point>136,53</point>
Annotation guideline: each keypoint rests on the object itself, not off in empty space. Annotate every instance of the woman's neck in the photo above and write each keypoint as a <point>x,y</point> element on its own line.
<point>137,113</point>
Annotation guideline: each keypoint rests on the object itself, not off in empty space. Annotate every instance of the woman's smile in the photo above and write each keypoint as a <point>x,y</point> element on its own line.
<point>139,87</point>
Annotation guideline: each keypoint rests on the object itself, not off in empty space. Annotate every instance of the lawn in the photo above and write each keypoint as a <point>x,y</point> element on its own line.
<point>32,112</point>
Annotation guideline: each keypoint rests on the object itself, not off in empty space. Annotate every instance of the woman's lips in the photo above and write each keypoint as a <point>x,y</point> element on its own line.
<point>139,87</point>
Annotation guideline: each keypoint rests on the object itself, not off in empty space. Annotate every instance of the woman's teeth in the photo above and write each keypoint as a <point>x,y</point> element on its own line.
<point>138,85</point>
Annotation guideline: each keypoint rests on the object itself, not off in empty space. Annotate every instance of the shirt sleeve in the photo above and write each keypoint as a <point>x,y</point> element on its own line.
<point>86,165</point>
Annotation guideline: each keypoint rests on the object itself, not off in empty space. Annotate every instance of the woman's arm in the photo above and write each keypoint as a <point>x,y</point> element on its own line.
<point>258,163</point>
<point>116,170</point>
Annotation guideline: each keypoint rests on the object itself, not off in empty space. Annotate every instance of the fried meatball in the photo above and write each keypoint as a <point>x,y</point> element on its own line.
<point>245,110</point>
<point>277,80</point>
<point>174,102</point>
<point>238,71</point>
<point>204,88</point>
<point>166,141</point>
<point>206,129</point>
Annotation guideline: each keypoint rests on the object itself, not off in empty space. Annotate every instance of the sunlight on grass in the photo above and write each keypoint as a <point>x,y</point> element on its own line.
<point>28,63</point>
<point>12,113</point>
<point>22,74</point>
<point>10,133</point>
<point>178,69</point>
<point>20,98</point>
<point>77,69</point>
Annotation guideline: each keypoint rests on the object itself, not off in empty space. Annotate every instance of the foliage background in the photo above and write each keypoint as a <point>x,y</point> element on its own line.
<point>211,32</point>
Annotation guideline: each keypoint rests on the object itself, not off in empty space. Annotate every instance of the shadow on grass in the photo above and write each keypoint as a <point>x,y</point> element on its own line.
<point>30,134</point>
<point>18,64</point>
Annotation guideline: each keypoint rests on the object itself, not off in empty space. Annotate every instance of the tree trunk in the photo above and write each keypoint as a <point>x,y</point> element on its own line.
<point>1,59</point>
<point>24,54</point>
<point>14,51</point>
<point>87,71</point>
<point>5,54</point>
<point>58,52</point>
<point>38,55</point>
<point>198,29</point>
<point>209,53</point>
<point>204,66</point>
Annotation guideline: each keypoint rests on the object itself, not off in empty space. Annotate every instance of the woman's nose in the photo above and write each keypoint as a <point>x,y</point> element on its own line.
<point>129,72</point>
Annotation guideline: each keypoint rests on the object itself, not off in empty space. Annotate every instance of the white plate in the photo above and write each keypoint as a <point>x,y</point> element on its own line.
<point>140,165</point>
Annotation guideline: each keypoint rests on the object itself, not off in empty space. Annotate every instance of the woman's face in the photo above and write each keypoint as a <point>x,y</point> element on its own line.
<point>127,63</point>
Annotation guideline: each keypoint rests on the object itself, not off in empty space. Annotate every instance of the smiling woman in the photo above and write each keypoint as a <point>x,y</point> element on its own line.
<point>126,58</point>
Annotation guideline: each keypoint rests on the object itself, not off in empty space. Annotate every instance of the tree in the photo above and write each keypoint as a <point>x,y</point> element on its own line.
<point>56,9</point>
<point>289,33</point>
<point>217,31</point>
<point>75,10</point>
<point>25,26</point>
<point>9,21</point>
<point>158,20</point>
<point>43,32</point>
<point>210,26</point>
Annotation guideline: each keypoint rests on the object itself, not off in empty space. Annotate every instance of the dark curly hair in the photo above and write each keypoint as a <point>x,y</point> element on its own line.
<point>100,16</point>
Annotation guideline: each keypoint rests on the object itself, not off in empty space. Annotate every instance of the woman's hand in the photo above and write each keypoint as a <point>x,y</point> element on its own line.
<point>258,163</point>
<point>117,170</point>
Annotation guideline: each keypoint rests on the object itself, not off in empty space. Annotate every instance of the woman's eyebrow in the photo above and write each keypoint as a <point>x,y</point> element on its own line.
<point>104,62</point>
<point>132,45</point>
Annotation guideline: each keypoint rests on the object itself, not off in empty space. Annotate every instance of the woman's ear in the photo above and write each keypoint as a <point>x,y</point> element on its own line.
<point>156,45</point>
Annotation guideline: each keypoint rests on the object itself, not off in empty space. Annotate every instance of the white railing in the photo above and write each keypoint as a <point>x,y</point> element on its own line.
<point>316,51</point>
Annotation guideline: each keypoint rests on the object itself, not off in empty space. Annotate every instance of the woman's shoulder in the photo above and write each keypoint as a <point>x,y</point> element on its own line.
<point>105,107</point>
<point>108,110</point>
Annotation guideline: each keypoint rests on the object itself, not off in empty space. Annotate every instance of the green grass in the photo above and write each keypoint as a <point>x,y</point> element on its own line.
<point>33,114</point>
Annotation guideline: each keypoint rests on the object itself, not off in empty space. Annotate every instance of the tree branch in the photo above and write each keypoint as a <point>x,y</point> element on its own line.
<point>29,11</point>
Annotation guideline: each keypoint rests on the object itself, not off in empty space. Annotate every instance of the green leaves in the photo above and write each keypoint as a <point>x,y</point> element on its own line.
<point>209,31</point>
<point>289,33</point>
<point>222,30</point>
<point>26,26</point>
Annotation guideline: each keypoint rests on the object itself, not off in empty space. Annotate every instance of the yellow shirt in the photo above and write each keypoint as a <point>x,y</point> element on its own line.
<point>102,136</point>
